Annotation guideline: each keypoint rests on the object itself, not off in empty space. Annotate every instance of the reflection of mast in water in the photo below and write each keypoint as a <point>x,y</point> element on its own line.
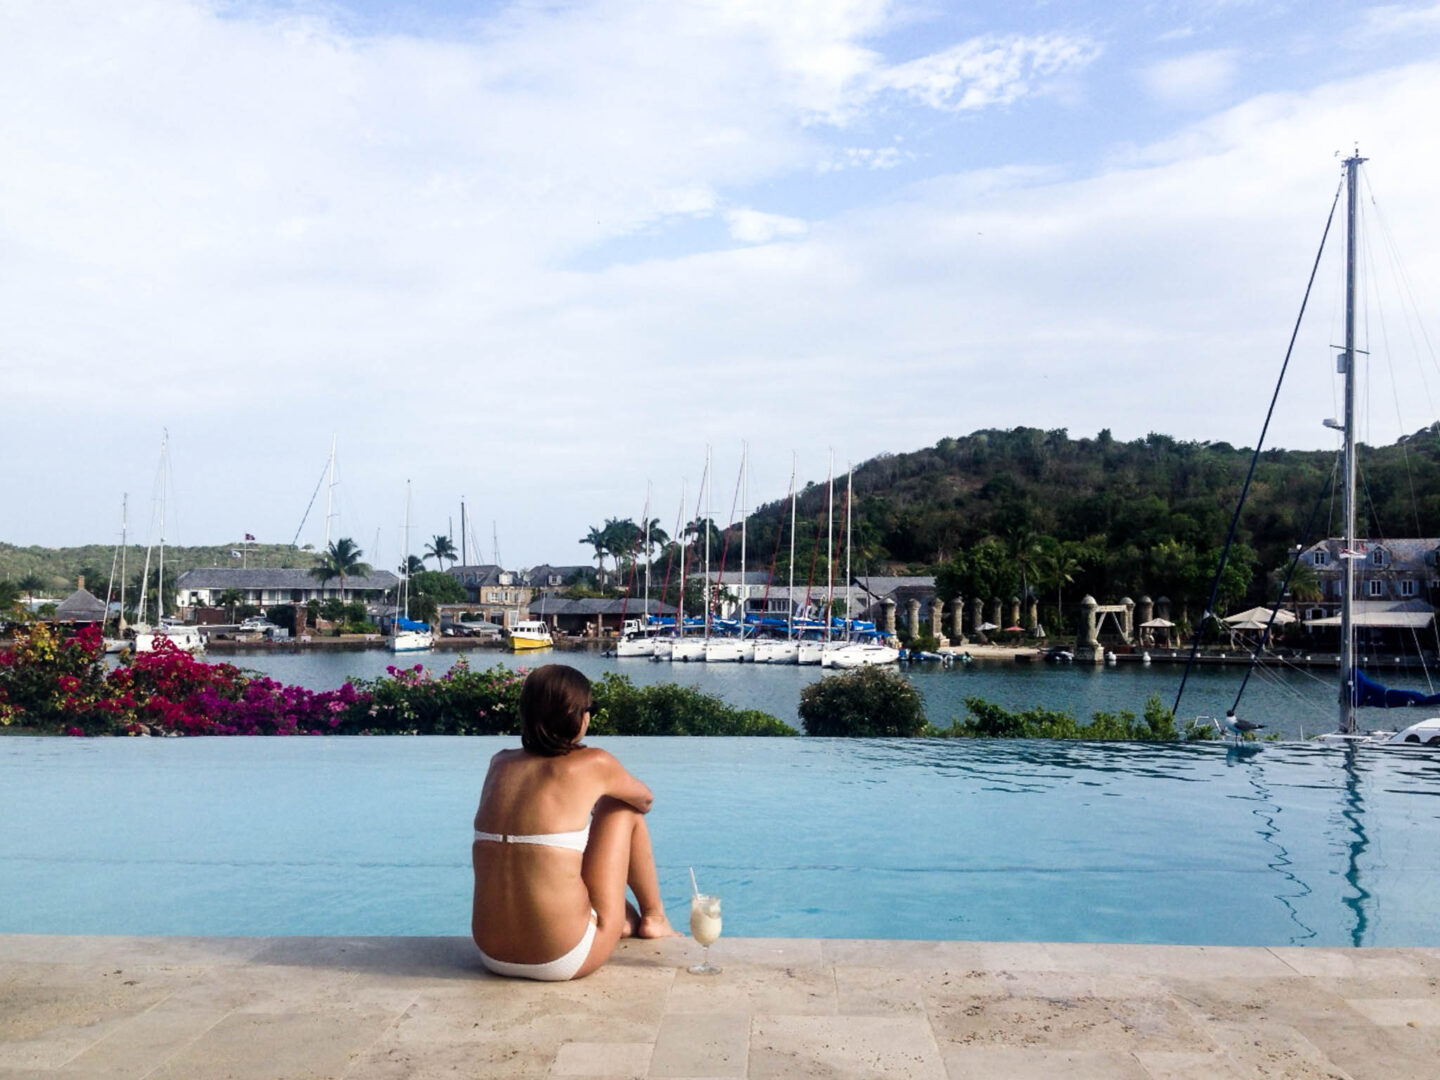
<point>1354,806</point>
<point>1269,832</point>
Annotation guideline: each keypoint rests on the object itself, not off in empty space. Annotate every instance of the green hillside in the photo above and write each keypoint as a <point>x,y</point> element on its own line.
<point>998,511</point>
<point>56,570</point>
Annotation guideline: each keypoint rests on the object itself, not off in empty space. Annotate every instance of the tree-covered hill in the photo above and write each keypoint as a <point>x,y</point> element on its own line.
<point>997,512</point>
<point>54,571</point>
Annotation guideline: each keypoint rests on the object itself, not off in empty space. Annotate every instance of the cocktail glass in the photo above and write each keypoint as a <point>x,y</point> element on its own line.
<point>705,928</point>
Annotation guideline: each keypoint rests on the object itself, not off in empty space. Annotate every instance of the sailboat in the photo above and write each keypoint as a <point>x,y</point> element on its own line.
<point>685,648</point>
<point>1356,689</point>
<point>866,649</point>
<point>784,650</point>
<point>727,647</point>
<point>637,637</point>
<point>407,635</point>
<point>149,638</point>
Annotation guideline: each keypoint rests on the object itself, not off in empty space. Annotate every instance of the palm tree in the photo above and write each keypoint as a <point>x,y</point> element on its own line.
<point>658,537</point>
<point>30,584</point>
<point>596,539</point>
<point>413,565</point>
<point>440,549</point>
<point>9,597</point>
<point>1058,567</point>
<point>341,559</point>
<point>231,598</point>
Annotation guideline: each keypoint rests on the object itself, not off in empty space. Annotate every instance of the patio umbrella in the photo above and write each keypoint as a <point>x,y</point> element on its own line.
<point>1019,629</point>
<point>987,626</point>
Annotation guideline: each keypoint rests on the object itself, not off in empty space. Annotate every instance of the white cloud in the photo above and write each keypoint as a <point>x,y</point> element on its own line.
<point>1196,80</point>
<point>755,227</point>
<point>1392,19</point>
<point>986,71</point>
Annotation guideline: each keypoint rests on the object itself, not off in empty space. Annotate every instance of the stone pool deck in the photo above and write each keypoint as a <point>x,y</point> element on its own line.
<point>386,1008</point>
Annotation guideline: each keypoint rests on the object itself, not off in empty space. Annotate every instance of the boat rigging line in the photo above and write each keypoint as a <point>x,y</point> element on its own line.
<point>1209,611</point>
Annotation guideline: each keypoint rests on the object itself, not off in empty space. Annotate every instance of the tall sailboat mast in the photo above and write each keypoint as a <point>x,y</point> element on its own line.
<point>744,498</point>
<point>330,492</point>
<point>829,547</point>
<point>1349,552</point>
<point>790,599</point>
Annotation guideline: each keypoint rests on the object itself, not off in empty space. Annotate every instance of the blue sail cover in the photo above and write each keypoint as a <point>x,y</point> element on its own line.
<point>1372,695</point>
<point>410,624</point>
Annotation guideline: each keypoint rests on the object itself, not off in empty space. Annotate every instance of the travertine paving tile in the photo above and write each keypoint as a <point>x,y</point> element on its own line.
<point>279,1046</point>
<point>992,1063</point>
<point>877,991</point>
<point>1366,1051</point>
<point>135,1048</point>
<point>603,1059</point>
<point>1272,1050</point>
<point>1185,961</point>
<point>713,1044</point>
<point>843,1046</point>
<point>1394,1012</point>
<point>1082,1023</point>
<point>1251,1001</point>
<point>102,949</point>
<point>750,989</point>
<point>1351,963</point>
<point>45,1025</point>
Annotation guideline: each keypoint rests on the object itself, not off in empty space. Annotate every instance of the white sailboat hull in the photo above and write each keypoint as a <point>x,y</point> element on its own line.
<point>776,652</point>
<point>856,656</point>
<point>723,651</point>
<point>412,641</point>
<point>685,650</point>
<point>644,646</point>
<point>185,638</point>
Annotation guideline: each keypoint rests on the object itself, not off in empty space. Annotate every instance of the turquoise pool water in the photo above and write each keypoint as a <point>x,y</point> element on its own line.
<point>818,838</point>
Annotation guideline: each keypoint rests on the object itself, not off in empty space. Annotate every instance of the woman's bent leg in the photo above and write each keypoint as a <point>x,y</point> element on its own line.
<point>618,854</point>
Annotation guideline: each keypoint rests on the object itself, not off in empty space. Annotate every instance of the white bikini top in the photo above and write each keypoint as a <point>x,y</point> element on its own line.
<point>573,841</point>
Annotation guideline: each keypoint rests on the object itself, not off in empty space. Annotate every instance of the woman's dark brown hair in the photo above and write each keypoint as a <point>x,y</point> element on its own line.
<point>553,704</point>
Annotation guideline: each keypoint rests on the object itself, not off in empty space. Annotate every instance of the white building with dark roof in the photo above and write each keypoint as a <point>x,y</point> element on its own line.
<point>1393,575</point>
<point>203,587</point>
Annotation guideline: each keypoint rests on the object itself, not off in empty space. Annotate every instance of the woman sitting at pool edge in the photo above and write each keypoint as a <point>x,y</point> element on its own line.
<point>559,834</point>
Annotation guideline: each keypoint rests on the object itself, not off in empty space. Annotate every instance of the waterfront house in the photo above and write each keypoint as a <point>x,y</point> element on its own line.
<point>1396,586</point>
<point>203,587</point>
<point>547,580</point>
<point>79,607</point>
<point>498,595</point>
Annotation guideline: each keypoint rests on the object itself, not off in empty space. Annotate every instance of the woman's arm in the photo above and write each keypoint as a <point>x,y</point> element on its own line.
<point>616,781</point>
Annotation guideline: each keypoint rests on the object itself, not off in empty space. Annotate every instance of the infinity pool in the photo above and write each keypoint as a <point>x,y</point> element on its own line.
<point>1019,841</point>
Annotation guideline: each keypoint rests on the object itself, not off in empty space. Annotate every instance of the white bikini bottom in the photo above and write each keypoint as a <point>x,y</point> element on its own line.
<point>561,970</point>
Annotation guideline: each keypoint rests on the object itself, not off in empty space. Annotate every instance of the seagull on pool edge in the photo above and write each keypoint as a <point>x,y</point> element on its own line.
<point>1239,728</point>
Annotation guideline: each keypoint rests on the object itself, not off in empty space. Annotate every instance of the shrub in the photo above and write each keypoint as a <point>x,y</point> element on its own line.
<point>869,702</point>
<point>990,721</point>
<point>622,708</point>
<point>412,701</point>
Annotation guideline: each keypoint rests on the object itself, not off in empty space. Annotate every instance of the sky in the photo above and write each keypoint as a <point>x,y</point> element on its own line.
<point>539,256</point>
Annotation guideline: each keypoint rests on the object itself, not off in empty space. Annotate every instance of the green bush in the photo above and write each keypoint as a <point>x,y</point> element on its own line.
<point>622,708</point>
<point>867,702</point>
<point>990,721</point>
<point>411,701</point>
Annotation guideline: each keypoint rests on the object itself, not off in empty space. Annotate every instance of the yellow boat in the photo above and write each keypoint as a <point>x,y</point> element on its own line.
<point>531,634</point>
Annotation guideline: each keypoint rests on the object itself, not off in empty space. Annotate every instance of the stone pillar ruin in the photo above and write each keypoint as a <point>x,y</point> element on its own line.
<point>995,611</point>
<point>1162,608</point>
<point>957,622</point>
<point>1087,646</point>
<point>912,617</point>
<point>1032,612</point>
<point>887,608</point>
<point>1012,613</point>
<point>1144,610</point>
<point>1127,625</point>
<point>977,615</point>
<point>937,611</point>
